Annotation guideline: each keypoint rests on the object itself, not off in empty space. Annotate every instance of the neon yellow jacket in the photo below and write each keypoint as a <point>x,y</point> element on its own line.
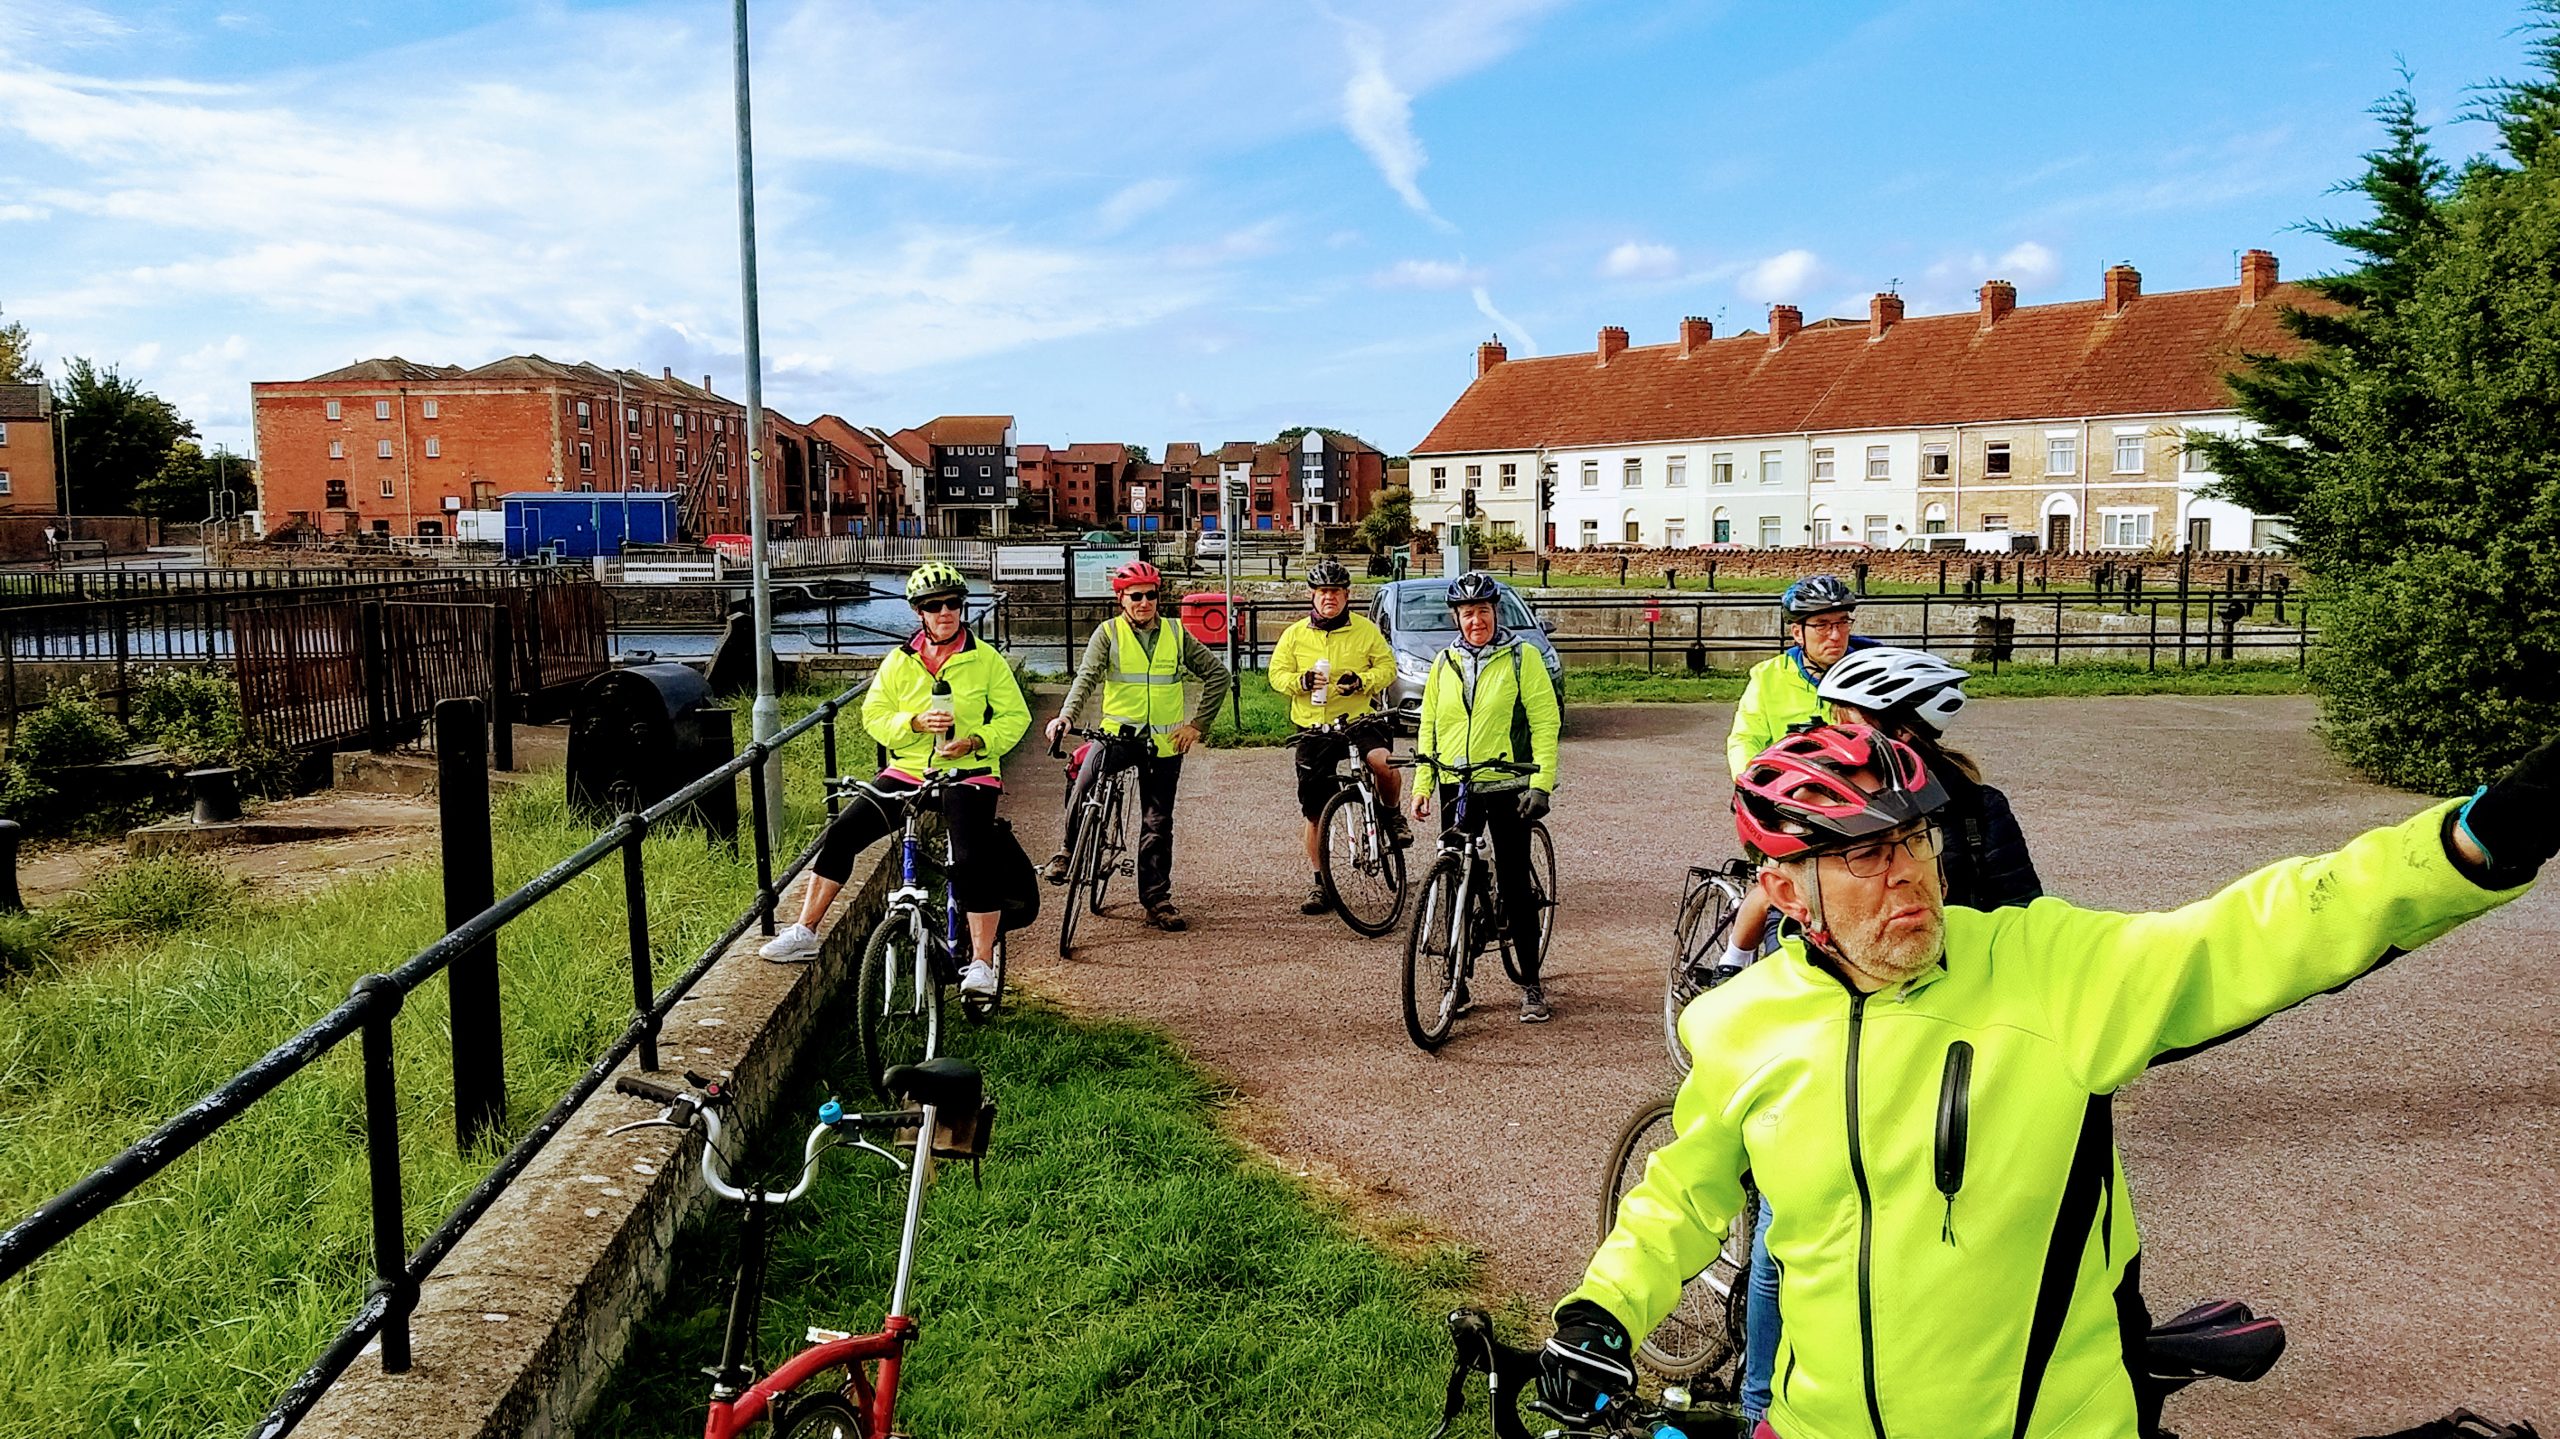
<point>1355,648</point>
<point>986,701</point>
<point>1514,721</point>
<point>1912,1309</point>
<point>1778,696</point>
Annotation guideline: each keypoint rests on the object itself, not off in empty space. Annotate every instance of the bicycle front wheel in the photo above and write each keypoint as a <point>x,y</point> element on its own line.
<point>1111,839</point>
<point>1542,868</point>
<point>1434,957</point>
<point>828,1416</point>
<point>1359,865</point>
<point>898,1002</point>
<point>1705,1330</point>
<point>1706,917</point>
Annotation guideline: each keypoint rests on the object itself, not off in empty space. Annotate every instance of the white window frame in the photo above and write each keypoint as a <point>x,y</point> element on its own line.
<point>1826,465</point>
<point>1590,534</point>
<point>1773,467</point>
<point>1475,477</point>
<point>1675,473</point>
<point>337,449</point>
<point>1631,473</point>
<point>2191,459</point>
<point>382,449</point>
<point>2134,438</point>
<point>1879,462</point>
<point>4,434</point>
<point>1999,521</point>
<point>382,409</point>
<point>1935,462</point>
<point>1591,475</point>
<point>1675,534</point>
<point>1933,520</point>
<point>1720,468</point>
<point>335,411</point>
<point>1772,532</point>
<point>435,446</point>
<point>2062,454</point>
<point>389,489</point>
<point>5,483</point>
<point>2128,527</point>
<point>586,457</point>
<point>1509,474</point>
<point>1879,531</point>
<point>2008,458</point>
<point>429,409</point>
<point>1439,477</point>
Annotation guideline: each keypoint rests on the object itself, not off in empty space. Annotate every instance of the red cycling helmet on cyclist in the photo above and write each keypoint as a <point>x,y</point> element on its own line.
<point>1135,574</point>
<point>1800,796</point>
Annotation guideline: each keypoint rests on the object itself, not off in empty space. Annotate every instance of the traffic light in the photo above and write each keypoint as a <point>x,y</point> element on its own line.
<point>1467,503</point>
<point>1546,489</point>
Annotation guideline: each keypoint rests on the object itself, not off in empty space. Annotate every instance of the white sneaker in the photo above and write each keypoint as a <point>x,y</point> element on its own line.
<point>978,979</point>
<point>797,941</point>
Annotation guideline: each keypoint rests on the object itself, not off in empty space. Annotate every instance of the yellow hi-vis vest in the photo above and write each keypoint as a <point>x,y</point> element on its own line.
<point>1143,689</point>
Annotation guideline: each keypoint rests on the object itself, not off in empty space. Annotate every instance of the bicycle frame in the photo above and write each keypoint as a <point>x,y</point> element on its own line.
<point>912,899</point>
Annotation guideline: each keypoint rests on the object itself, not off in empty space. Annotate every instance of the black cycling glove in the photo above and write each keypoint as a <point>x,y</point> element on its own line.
<point>1589,1361</point>
<point>1534,803</point>
<point>2517,818</point>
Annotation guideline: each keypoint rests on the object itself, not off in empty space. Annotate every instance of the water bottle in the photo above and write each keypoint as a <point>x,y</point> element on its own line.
<point>940,704</point>
<point>1324,682</point>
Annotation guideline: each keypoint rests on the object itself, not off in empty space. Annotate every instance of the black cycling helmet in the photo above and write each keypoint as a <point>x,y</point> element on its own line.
<point>1816,595</point>
<point>1473,587</point>
<point>1328,574</point>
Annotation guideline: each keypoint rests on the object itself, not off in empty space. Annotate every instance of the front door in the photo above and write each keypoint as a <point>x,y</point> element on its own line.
<point>2057,532</point>
<point>2199,534</point>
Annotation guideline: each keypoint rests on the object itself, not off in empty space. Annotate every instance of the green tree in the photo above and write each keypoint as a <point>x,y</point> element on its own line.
<point>1389,521</point>
<point>17,366</point>
<point>2417,455</point>
<point>119,437</point>
<point>189,479</point>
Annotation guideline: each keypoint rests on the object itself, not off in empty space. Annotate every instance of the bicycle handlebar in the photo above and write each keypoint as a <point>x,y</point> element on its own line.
<point>1511,1375</point>
<point>684,1109</point>
<point>1057,748</point>
<point>1469,769</point>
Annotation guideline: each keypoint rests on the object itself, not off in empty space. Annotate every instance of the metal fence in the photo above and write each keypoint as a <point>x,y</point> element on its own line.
<point>135,582</point>
<point>367,1014</point>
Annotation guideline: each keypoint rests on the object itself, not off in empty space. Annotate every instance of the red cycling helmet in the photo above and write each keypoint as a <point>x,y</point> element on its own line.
<point>1134,574</point>
<point>1800,796</point>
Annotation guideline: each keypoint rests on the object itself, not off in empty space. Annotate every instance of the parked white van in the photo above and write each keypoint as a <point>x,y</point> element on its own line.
<point>1996,542</point>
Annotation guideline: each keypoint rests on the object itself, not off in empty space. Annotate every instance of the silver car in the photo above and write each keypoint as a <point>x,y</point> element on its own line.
<point>1414,615</point>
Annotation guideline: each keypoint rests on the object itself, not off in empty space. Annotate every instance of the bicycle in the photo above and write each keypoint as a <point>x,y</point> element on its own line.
<point>951,1117</point>
<point>1102,833</point>
<point>2218,1339</point>
<point>1360,866</point>
<point>912,954</point>
<point>1459,906</point>
<point>1707,910</point>
<point>1704,1332</point>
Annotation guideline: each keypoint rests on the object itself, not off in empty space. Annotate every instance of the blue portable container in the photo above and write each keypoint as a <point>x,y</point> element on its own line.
<point>584,525</point>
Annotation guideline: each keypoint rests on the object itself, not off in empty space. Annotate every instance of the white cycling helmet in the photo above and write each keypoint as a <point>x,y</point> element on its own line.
<point>1891,685</point>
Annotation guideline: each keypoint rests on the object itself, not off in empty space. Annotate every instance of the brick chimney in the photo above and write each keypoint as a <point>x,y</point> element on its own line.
<point>1999,297</point>
<point>1694,334</point>
<point>668,371</point>
<point>706,382</point>
<point>1784,321</point>
<point>2124,285</point>
<point>1490,354</point>
<point>1613,338</point>
<point>1883,313</point>
<point>2257,275</point>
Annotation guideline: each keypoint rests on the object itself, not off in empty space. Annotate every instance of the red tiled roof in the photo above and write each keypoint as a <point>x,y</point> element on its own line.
<point>2163,354</point>
<point>913,445</point>
<point>1031,454</point>
<point>1182,452</point>
<point>966,429</point>
<point>1094,453</point>
<point>846,436</point>
<point>1235,450</point>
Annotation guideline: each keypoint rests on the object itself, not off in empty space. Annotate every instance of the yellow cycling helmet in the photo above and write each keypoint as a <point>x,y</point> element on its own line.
<point>935,577</point>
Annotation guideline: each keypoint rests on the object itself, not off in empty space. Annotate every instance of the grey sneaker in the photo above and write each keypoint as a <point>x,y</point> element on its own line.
<point>1315,902</point>
<point>1533,1005</point>
<point>978,980</point>
<point>796,942</point>
<point>1055,871</point>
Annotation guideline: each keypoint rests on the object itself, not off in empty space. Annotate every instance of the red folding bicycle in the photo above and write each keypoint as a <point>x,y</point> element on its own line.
<point>949,1116</point>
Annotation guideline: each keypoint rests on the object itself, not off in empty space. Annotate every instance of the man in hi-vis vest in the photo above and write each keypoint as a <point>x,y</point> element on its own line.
<point>1137,663</point>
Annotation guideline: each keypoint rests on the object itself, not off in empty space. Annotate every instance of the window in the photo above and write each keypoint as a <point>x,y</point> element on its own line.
<point>1674,534</point>
<point>1590,533</point>
<point>2062,454</point>
<point>2192,459</point>
<point>984,471</point>
<point>333,411</point>
<point>586,456</point>
<point>1933,462</point>
<point>2128,454</point>
<point>951,472</point>
<point>1768,532</point>
<point>721,493</point>
<point>679,457</point>
<point>2126,529</point>
<point>4,434</point>
<point>337,449</point>
<point>4,483</point>
<point>1506,530</point>
<point>1824,467</point>
<point>1439,477</point>
<point>1720,470</point>
<point>1879,462</point>
<point>1631,474</point>
<point>1675,472</point>
<point>1591,474</point>
<point>675,419</point>
<point>336,498</point>
<point>382,449</point>
<point>2263,534</point>
<point>719,424</point>
<point>435,446</point>
<point>1821,527</point>
<point>1724,530</point>
<point>1635,532</point>
<point>631,420</point>
<point>634,462</point>
<point>429,409</point>
<point>1933,520</point>
<point>387,491</point>
<point>1995,458</point>
<point>1510,477</point>
<point>1475,477</point>
<point>1773,469</point>
<point>719,457</point>
<point>382,409</point>
<point>1995,522</point>
<point>1876,530</point>
<point>586,418</point>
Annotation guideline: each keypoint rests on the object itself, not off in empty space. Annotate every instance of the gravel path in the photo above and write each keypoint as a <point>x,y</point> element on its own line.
<point>2371,1167</point>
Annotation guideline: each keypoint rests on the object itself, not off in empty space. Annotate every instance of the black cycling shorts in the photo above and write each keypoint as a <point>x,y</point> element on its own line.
<point>1319,760</point>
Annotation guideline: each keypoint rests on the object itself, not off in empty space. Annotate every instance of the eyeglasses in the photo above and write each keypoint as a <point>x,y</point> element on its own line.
<point>1139,597</point>
<point>1866,861</point>
<point>1828,624</point>
<point>937,606</point>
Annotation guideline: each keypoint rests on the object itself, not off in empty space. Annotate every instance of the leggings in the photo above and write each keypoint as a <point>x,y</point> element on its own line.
<point>968,815</point>
<point>1498,812</point>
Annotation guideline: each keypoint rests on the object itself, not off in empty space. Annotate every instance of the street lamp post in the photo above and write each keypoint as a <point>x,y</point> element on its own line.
<point>62,450</point>
<point>766,717</point>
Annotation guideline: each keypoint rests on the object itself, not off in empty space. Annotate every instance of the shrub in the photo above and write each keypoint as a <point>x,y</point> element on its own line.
<point>159,895</point>
<point>194,715</point>
<point>69,729</point>
<point>28,942</point>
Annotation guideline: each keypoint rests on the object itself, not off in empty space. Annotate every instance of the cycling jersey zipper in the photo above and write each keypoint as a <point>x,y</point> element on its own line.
<point>1866,1219</point>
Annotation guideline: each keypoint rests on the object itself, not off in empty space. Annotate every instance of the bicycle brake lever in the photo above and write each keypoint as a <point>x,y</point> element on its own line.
<point>883,1153</point>
<point>659,1123</point>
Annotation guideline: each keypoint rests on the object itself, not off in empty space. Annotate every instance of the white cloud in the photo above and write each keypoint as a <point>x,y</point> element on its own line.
<point>9,213</point>
<point>2028,263</point>
<point>1428,275</point>
<point>1782,276</point>
<point>1245,242</point>
<point>1134,202</point>
<point>1504,323</point>
<point>1635,260</point>
<point>1380,119</point>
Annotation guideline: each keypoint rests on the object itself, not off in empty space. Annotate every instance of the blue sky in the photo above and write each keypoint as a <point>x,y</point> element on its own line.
<point>1146,220</point>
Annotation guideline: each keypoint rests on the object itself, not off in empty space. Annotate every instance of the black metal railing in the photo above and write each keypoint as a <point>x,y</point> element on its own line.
<point>367,1013</point>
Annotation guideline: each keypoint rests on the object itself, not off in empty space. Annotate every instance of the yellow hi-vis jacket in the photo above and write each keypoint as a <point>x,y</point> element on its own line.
<point>1950,1217</point>
<point>986,701</point>
<point>1144,689</point>
<point>1778,697</point>
<point>1514,716</point>
<point>1354,647</point>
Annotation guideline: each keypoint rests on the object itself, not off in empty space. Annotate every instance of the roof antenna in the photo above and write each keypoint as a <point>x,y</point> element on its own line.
<point>1893,286</point>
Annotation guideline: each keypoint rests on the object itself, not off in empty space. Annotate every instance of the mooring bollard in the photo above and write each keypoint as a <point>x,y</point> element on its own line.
<point>217,794</point>
<point>9,835</point>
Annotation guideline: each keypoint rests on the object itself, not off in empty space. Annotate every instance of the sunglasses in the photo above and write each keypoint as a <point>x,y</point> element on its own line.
<point>1139,597</point>
<point>937,606</point>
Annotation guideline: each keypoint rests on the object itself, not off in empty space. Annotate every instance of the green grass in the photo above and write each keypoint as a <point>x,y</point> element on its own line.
<point>1126,1270</point>
<point>185,1309</point>
<point>1620,684</point>
<point>1266,715</point>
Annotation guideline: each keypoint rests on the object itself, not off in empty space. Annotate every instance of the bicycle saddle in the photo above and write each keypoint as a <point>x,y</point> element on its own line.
<point>2218,1339</point>
<point>952,1086</point>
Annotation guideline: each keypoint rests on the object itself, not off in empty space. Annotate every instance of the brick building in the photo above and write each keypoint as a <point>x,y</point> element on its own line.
<point>858,493</point>
<point>392,447</point>
<point>2066,424</point>
<point>26,451</point>
<point>970,482</point>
